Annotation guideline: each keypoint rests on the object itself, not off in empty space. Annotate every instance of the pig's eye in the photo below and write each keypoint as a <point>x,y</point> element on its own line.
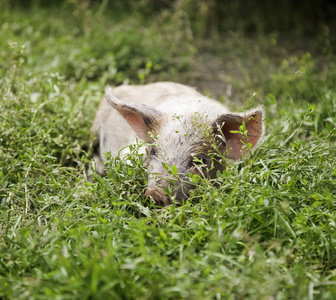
<point>152,152</point>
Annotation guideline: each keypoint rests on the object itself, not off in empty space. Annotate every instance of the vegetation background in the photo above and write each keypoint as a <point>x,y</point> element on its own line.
<point>267,232</point>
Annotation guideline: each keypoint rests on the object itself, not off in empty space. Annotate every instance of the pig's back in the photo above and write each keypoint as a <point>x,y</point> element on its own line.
<point>152,94</point>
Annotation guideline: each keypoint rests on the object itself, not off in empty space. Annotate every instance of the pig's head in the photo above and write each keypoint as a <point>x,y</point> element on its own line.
<point>191,141</point>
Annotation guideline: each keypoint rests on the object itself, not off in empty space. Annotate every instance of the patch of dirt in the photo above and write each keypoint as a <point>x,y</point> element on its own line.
<point>234,67</point>
<point>213,76</point>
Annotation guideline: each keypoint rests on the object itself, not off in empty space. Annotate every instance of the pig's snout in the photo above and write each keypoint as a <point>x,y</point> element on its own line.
<point>158,196</point>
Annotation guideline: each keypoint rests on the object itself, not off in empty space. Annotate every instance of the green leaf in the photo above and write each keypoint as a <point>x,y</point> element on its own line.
<point>174,170</point>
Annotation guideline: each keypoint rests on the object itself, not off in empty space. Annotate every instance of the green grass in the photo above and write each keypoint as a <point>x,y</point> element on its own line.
<point>267,232</point>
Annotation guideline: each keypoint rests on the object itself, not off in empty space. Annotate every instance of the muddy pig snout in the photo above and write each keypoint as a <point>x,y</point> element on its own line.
<point>155,189</point>
<point>158,195</point>
<point>157,180</point>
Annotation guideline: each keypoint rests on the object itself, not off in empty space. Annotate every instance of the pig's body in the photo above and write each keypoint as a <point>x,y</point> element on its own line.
<point>174,118</point>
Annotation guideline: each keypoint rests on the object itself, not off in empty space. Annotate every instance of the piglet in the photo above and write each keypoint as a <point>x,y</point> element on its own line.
<point>181,128</point>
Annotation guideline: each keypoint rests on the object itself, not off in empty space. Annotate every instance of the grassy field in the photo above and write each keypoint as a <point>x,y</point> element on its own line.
<point>268,231</point>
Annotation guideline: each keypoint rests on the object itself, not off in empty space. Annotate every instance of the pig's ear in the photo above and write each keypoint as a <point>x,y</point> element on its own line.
<point>142,118</point>
<point>233,142</point>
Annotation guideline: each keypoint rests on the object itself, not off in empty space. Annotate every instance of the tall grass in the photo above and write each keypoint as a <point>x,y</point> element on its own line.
<point>264,229</point>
